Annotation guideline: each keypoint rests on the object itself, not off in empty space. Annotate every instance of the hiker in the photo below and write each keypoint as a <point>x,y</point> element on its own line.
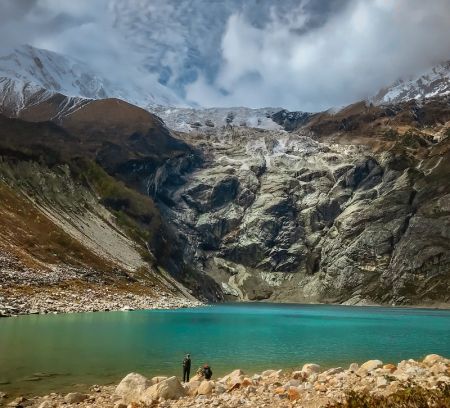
<point>207,372</point>
<point>186,367</point>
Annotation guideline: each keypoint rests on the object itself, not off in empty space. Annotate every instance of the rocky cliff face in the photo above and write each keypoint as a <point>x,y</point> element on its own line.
<point>351,207</point>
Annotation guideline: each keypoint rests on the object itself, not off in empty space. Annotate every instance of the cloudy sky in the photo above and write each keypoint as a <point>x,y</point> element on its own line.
<point>299,54</point>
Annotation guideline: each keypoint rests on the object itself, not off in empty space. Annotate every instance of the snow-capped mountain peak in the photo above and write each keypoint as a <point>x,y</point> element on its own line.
<point>433,82</point>
<point>28,69</point>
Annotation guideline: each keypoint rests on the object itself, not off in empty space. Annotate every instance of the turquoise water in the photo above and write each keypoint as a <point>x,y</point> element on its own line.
<point>53,353</point>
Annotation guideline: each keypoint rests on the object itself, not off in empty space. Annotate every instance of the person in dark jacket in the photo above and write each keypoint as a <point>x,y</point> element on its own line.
<point>186,367</point>
<point>207,372</point>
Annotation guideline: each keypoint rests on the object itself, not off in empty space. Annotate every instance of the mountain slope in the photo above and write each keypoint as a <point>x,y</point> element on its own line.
<point>77,212</point>
<point>28,74</point>
<point>433,82</point>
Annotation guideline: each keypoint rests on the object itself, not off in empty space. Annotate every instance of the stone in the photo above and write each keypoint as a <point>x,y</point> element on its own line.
<point>169,388</point>
<point>196,378</point>
<point>191,387</point>
<point>219,388</point>
<point>280,390</point>
<point>158,379</point>
<point>372,365</point>
<point>232,376</point>
<point>432,359</point>
<point>333,371</point>
<point>75,397</point>
<point>267,373</point>
<point>131,387</point>
<point>310,368</point>
<point>390,367</point>
<point>47,404</point>
<point>205,388</point>
<point>246,382</point>
<point>18,402</point>
<point>3,395</point>
<point>354,367</point>
<point>293,394</point>
<point>382,382</point>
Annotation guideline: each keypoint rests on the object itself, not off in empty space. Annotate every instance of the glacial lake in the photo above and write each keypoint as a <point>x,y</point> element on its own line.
<point>40,354</point>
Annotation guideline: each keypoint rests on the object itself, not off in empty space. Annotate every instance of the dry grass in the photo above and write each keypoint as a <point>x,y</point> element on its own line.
<point>36,240</point>
<point>413,397</point>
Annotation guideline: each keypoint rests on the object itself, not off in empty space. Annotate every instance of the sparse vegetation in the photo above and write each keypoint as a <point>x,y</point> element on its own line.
<point>135,213</point>
<point>391,134</point>
<point>413,397</point>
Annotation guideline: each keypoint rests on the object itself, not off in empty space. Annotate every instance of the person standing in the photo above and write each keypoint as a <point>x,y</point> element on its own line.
<point>186,367</point>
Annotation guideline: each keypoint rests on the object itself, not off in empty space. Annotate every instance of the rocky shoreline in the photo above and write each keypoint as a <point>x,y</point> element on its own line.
<point>92,299</point>
<point>307,387</point>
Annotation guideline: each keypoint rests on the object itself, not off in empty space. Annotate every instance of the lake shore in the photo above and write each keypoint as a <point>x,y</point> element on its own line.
<point>309,386</point>
<point>93,298</point>
<point>88,298</point>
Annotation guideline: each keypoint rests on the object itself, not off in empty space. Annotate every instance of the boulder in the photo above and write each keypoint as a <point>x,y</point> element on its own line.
<point>206,387</point>
<point>293,394</point>
<point>372,365</point>
<point>382,382</point>
<point>47,404</point>
<point>197,378</point>
<point>311,369</point>
<point>390,367</point>
<point>271,373</point>
<point>298,375</point>
<point>433,359</point>
<point>191,387</point>
<point>353,367</point>
<point>232,376</point>
<point>158,379</point>
<point>333,371</point>
<point>267,373</point>
<point>18,402</point>
<point>131,387</point>
<point>219,389</point>
<point>75,397</point>
<point>169,388</point>
<point>246,382</point>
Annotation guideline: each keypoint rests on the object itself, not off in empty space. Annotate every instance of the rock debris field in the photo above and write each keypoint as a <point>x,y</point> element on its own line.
<point>308,387</point>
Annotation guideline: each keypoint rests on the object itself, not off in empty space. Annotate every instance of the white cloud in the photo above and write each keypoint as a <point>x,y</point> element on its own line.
<point>368,45</point>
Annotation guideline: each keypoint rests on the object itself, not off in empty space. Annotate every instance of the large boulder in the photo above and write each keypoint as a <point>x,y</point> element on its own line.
<point>131,387</point>
<point>170,388</point>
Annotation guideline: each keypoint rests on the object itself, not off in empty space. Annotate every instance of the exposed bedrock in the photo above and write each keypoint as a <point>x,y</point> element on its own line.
<point>281,216</point>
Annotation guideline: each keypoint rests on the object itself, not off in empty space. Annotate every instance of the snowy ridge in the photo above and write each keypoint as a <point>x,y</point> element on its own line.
<point>433,82</point>
<point>26,70</point>
<point>189,119</point>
